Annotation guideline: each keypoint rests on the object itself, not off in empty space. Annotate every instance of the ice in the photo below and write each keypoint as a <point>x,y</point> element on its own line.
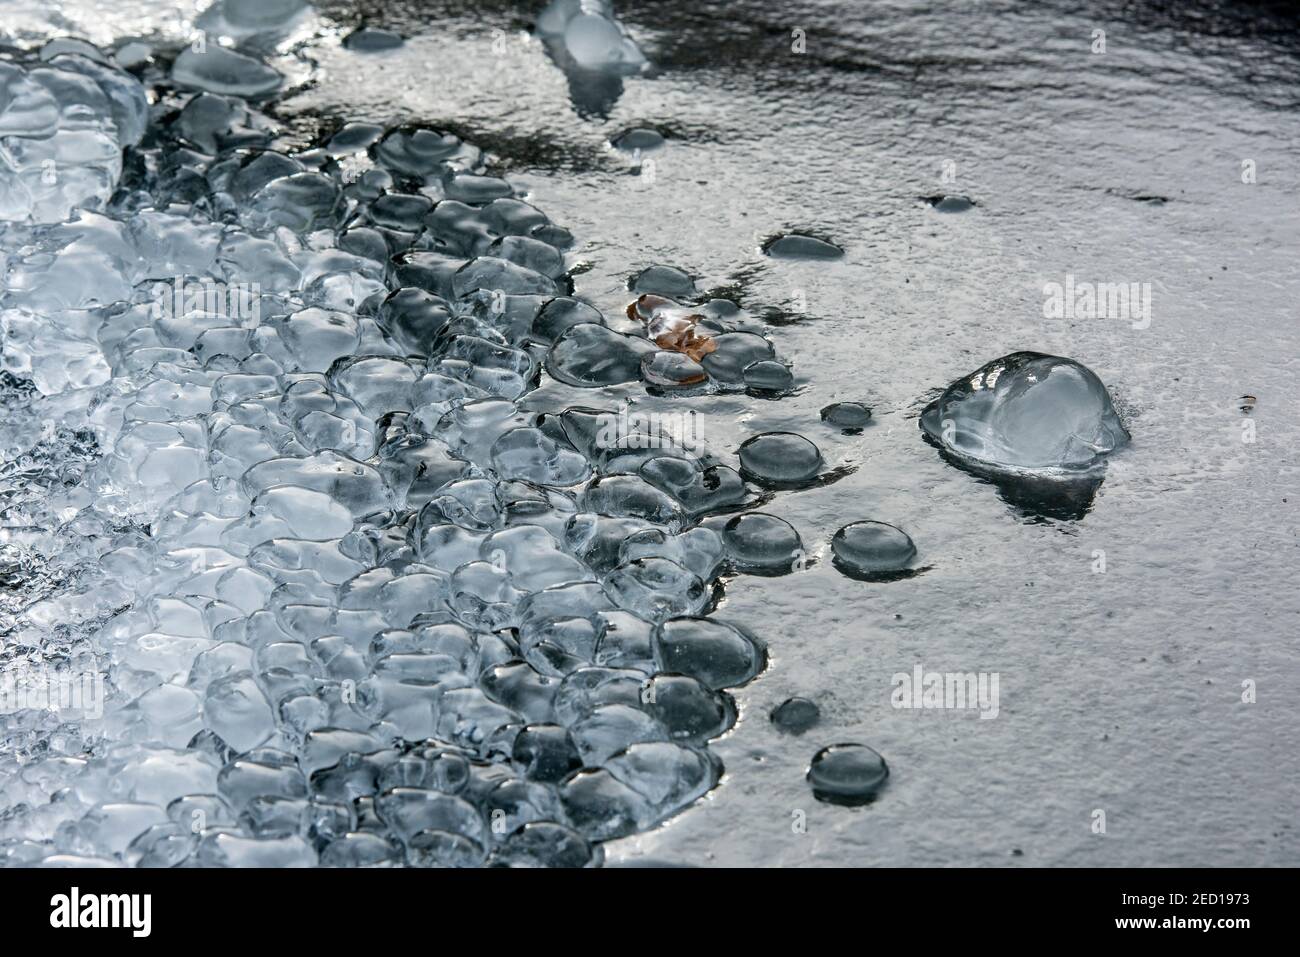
<point>601,806</point>
<point>1027,412</point>
<point>672,370</point>
<point>769,378</point>
<point>656,588</point>
<point>247,18</point>
<point>235,709</point>
<point>690,711</point>
<point>780,459</point>
<point>849,417</point>
<point>546,844</point>
<point>225,849</point>
<point>796,715</point>
<point>732,354</point>
<point>633,497</point>
<point>546,753</point>
<point>63,124</point>
<point>216,69</point>
<point>370,40</point>
<point>697,489</point>
<point>587,354</point>
<point>360,597</point>
<point>798,246</point>
<point>610,728</point>
<point>868,549</point>
<point>849,774</point>
<point>951,204</point>
<point>639,139</point>
<point>669,775</point>
<point>591,36</point>
<point>716,653</point>
<point>755,541</point>
<point>699,550</point>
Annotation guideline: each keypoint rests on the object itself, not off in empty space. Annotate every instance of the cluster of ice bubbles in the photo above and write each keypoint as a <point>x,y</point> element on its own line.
<point>273,478</point>
<point>352,603</point>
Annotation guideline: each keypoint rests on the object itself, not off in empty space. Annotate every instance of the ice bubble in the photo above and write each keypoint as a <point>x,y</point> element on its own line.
<point>354,485</point>
<point>849,774</point>
<point>1027,412</point>
<point>361,849</point>
<point>798,246</point>
<point>667,774</point>
<point>633,497</point>
<point>780,459</point>
<point>625,642</point>
<point>302,202</point>
<point>546,753</point>
<point>473,189</point>
<point>672,370</point>
<point>690,710</point>
<point>850,417</point>
<point>528,253</point>
<point>733,353</point>
<point>868,549</point>
<point>545,844</point>
<point>601,806</point>
<point>795,715</point>
<point>531,455</point>
<point>219,70</point>
<point>718,654</point>
<point>591,355</point>
<point>656,588</point>
<point>260,15</point>
<point>762,543</point>
<point>438,848</point>
<point>591,36</point>
<point>353,137</point>
<point>371,39</point>
<point>609,728</point>
<point>951,204</point>
<point>560,313</point>
<point>768,377</point>
<point>639,139</point>
<point>533,557</point>
<point>698,490</point>
<point>698,549</point>
<point>666,281</point>
<point>235,709</point>
<point>318,337</point>
<point>225,849</point>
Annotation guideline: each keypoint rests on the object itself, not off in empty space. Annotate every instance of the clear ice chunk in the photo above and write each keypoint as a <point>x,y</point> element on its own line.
<point>1027,412</point>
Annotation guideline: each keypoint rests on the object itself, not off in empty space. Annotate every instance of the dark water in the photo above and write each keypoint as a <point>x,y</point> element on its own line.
<point>1121,690</point>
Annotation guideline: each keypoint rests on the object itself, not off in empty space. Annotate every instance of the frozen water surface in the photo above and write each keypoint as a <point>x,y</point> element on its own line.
<point>360,571</point>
